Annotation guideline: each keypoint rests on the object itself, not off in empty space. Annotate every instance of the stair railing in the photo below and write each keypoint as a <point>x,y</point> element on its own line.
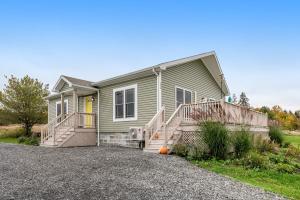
<point>48,130</point>
<point>154,126</point>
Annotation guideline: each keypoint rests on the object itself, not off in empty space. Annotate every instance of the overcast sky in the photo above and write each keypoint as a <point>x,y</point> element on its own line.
<point>258,44</point>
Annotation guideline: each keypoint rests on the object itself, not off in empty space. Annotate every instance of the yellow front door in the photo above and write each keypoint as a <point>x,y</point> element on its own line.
<point>88,109</point>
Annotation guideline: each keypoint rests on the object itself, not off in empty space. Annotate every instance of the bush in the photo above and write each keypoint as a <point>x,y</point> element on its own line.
<point>276,135</point>
<point>276,159</point>
<point>32,141</point>
<point>285,168</point>
<point>11,133</point>
<point>286,144</point>
<point>215,136</point>
<point>293,152</point>
<point>21,139</point>
<point>267,146</point>
<point>181,150</point>
<point>28,140</point>
<point>196,153</point>
<point>255,161</point>
<point>241,143</point>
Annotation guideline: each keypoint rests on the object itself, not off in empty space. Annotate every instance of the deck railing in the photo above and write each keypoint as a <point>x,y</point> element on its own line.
<point>224,112</point>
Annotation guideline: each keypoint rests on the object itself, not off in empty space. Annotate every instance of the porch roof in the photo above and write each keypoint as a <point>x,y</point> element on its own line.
<point>72,82</point>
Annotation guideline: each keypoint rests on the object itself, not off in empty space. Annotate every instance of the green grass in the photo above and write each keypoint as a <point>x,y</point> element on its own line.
<point>9,140</point>
<point>282,183</point>
<point>293,139</point>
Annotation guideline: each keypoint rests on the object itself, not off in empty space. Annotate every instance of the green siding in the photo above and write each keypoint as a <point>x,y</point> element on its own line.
<point>65,87</point>
<point>52,107</point>
<point>146,91</point>
<point>192,76</point>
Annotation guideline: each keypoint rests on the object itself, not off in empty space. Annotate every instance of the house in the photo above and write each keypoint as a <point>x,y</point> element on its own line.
<point>157,101</point>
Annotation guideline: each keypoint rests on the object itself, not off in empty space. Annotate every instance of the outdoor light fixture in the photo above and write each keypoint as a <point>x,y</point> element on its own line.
<point>93,99</point>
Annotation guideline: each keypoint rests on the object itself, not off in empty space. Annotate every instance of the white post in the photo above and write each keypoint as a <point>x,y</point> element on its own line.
<point>62,106</point>
<point>75,106</point>
<point>98,118</point>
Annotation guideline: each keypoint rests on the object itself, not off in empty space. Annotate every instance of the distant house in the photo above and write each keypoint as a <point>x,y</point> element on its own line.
<point>151,104</point>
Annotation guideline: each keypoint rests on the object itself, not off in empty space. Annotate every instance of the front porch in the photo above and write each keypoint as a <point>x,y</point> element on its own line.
<point>73,122</point>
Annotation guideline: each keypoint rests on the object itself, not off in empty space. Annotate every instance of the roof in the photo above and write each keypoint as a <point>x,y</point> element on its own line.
<point>71,81</point>
<point>209,59</point>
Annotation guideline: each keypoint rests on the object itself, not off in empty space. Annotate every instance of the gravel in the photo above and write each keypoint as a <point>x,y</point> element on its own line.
<point>110,173</point>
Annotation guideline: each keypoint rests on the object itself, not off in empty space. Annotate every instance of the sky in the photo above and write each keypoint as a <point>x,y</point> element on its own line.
<point>257,42</point>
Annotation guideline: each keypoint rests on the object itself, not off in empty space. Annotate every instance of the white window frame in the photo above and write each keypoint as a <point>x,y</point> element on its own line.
<point>124,107</point>
<point>184,89</point>
<point>59,102</point>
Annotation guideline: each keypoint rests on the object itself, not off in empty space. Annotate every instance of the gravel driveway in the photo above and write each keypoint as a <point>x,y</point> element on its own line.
<point>110,173</point>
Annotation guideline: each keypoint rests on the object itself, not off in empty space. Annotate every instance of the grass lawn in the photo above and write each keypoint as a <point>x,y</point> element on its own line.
<point>293,139</point>
<point>8,140</point>
<point>282,183</point>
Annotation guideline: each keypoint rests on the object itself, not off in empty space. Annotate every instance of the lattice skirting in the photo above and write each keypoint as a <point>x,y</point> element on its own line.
<point>192,138</point>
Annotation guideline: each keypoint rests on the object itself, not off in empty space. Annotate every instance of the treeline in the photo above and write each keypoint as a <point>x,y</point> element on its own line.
<point>286,119</point>
<point>7,118</point>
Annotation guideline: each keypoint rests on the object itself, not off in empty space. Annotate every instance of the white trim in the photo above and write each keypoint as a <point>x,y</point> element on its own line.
<point>195,98</point>
<point>59,102</point>
<point>57,83</point>
<point>124,107</point>
<point>98,118</point>
<point>183,95</point>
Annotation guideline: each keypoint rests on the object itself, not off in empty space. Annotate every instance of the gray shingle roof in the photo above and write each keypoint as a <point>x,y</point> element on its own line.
<point>77,81</point>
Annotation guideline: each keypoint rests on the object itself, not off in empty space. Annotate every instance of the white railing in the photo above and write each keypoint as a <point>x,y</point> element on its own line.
<point>74,120</point>
<point>86,120</point>
<point>223,112</point>
<point>48,130</point>
<point>155,125</point>
<point>174,122</point>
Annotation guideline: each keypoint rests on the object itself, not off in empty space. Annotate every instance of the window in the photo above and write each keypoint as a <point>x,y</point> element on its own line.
<point>183,96</point>
<point>58,107</point>
<point>125,103</point>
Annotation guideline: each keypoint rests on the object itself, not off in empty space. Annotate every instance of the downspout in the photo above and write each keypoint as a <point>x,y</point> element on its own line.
<point>98,119</point>
<point>157,72</point>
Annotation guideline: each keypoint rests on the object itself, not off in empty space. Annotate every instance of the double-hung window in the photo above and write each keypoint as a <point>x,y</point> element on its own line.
<point>183,96</point>
<point>125,103</point>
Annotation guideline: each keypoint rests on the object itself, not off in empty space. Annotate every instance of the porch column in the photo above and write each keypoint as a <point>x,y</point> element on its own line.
<point>75,106</point>
<point>62,99</point>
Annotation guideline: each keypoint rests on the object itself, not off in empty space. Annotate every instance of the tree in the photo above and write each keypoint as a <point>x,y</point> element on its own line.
<point>24,99</point>
<point>297,114</point>
<point>244,100</point>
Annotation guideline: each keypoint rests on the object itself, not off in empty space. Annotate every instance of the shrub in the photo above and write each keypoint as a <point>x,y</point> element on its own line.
<point>215,136</point>
<point>286,144</point>
<point>276,159</point>
<point>21,139</point>
<point>255,161</point>
<point>241,143</point>
<point>32,141</point>
<point>293,152</point>
<point>267,146</point>
<point>285,168</point>
<point>181,150</point>
<point>28,140</point>
<point>276,135</point>
<point>196,153</point>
